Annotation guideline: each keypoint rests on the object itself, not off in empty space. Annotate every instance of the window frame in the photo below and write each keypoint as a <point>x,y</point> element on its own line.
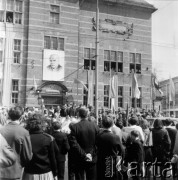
<point>106,96</point>
<point>90,58</point>
<point>54,12</point>
<point>17,51</point>
<point>50,40</point>
<point>109,61</point>
<point>135,65</point>
<point>120,96</point>
<point>14,12</point>
<point>15,100</point>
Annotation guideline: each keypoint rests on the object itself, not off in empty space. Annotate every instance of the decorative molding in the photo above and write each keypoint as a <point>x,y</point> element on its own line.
<point>111,26</point>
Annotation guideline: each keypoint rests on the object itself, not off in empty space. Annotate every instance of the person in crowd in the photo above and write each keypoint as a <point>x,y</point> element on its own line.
<point>57,112</point>
<point>174,159</point>
<point>19,140</point>
<point>172,134</point>
<point>83,144</point>
<point>133,126</point>
<point>63,146</point>
<point>7,155</point>
<point>64,111</point>
<point>148,158</point>
<point>110,151</point>
<point>135,155</point>
<point>43,164</point>
<point>73,110</point>
<point>161,145</point>
<point>116,130</point>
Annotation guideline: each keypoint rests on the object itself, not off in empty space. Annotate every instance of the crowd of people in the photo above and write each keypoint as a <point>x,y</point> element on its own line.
<point>35,144</point>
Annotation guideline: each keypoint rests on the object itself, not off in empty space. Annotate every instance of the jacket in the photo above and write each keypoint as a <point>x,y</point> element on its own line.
<point>83,140</point>
<point>44,149</point>
<point>19,140</point>
<point>62,143</point>
<point>7,155</point>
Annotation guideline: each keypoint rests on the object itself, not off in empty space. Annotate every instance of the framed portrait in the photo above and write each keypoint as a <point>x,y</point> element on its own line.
<point>53,65</point>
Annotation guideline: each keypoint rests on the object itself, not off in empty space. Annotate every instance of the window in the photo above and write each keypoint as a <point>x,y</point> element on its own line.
<point>15,91</point>
<point>120,96</point>
<point>113,60</point>
<point>138,101</point>
<point>106,95</point>
<point>17,50</point>
<point>1,50</point>
<point>54,14</point>
<point>135,62</point>
<point>89,58</point>
<point>13,12</point>
<point>85,95</point>
<point>55,43</point>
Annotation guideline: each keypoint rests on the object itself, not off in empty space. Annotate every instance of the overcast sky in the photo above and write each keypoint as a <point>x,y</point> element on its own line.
<point>165,38</point>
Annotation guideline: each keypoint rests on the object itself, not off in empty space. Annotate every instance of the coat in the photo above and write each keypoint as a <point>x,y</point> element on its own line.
<point>109,147</point>
<point>19,140</point>
<point>83,140</point>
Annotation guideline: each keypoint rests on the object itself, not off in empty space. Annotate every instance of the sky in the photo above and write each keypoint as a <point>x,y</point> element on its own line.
<point>165,38</point>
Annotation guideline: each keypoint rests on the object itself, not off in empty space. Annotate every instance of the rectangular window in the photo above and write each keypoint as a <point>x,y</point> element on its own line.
<point>120,96</point>
<point>17,50</point>
<point>55,43</point>
<point>106,95</point>
<point>15,91</point>
<point>135,63</point>
<point>54,14</point>
<point>113,60</point>
<point>14,11</point>
<point>89,58</point>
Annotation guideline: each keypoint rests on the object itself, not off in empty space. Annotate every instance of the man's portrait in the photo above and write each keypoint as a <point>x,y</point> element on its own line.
<point>53,60</point>
<point>53,65</point>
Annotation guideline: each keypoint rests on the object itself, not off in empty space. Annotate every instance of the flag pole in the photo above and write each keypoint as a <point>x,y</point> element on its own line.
<point>135,99</point>
<point>97,60</point>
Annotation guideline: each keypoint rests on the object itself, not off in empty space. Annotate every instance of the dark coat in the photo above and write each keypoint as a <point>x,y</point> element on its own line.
<point>19,140</point>
<point>109,147</point>
<point>172,134</point>
<point>83,140</point>
<point>44,149</point>
<point>62,143</point>
<point>161,144</point>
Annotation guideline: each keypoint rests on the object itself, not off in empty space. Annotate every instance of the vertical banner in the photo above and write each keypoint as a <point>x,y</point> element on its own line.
<point>90,87</point>
<point>135,89</point>
<point>53,65</point>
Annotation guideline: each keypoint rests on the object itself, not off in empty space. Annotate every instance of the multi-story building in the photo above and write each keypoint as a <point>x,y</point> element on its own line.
<point>170,107</point>
<point>34,30</point>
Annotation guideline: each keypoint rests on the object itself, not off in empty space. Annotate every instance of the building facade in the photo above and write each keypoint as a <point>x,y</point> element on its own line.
<point>170,108</point>
<point>47,44</point>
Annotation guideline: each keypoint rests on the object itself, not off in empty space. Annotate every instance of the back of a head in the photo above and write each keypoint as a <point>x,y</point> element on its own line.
<point>15,113</point>
<point>35,122</point>
<point>135,133</point>
<point>107,121</point>
<point>158,124</point>
<point>57,125</point>
<point>167,122</point>
<point>83,112</point>
<point>133,120</point>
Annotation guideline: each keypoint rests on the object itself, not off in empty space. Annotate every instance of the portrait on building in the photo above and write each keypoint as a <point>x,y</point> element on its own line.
<point>53,65</point>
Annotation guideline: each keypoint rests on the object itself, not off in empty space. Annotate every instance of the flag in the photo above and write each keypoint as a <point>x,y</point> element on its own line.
<point>77,81</point>
<point>171,90</point>
<point>34,84</point>
<point>135,89</point>
<point>155,84</point>
<point>90,87</point>
<point>127,114</point>
<point>112,87</point>
<point>113,109</point>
